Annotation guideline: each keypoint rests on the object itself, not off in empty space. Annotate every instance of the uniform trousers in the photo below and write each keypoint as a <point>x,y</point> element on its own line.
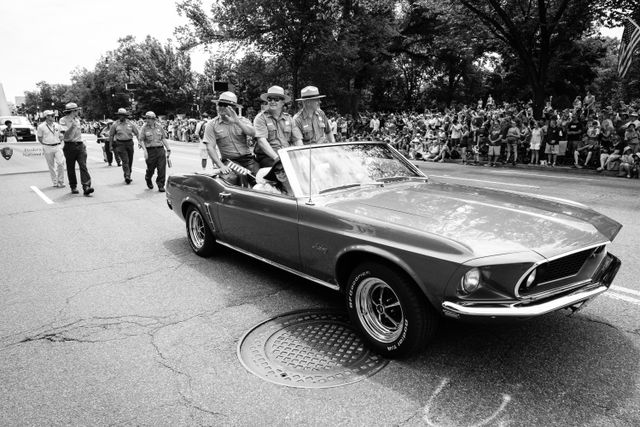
<point>125,151</point>
<point>76,152</point>
<point>156,159</point>
<point>110,153</point>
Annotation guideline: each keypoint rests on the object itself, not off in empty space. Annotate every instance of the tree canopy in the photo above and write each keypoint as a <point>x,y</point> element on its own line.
<point>377,54</point>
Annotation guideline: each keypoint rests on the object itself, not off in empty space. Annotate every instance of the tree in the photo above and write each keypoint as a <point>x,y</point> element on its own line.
<point>161,74</point>
<point>289,31</point>
<point>533,31</point>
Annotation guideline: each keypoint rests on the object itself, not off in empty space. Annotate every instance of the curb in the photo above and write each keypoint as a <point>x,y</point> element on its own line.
<point>526,167</point>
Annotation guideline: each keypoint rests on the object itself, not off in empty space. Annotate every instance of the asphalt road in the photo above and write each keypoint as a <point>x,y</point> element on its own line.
<point>108,318</point>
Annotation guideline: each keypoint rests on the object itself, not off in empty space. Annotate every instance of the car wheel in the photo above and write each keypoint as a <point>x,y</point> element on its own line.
<point>389,311</point>
<point>200,237</point>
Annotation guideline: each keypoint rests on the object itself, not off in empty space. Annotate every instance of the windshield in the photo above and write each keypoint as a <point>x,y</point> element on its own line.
<point>15,120</point>
<point>350,165</point>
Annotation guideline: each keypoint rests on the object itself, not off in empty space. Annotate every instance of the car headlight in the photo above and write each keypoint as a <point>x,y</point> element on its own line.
<point>470,281</point>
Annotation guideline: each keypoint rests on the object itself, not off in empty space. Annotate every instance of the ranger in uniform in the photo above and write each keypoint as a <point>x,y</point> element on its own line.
<point>74,149</point>
<point>156,150</point>
<point>311,120</point>
<point>274,128</point>
<point>229,133</point>
<point>121,139</point>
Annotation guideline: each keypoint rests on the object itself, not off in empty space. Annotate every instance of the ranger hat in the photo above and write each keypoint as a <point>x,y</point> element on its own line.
<point>275,91</point>
<point>122,112</point>
<point>228,98</point>
<point>71,106</point>
<point>47,113</point>
<point>150,115</point>
<point>309,92</point>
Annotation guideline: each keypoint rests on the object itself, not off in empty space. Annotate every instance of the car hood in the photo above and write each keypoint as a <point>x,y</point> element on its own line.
<point>488,222</point>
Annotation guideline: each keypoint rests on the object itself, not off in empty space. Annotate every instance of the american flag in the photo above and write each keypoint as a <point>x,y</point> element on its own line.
<point>630,39</point>
<point>238,169</point>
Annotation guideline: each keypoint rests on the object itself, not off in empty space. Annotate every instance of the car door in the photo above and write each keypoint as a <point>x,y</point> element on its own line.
<point>261,223</point>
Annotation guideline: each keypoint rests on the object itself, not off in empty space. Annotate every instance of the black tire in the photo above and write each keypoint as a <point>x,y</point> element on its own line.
<point>198,233</point>
<point>390,312</point>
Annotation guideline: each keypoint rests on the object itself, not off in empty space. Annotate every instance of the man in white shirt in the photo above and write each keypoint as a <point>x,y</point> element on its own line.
<point>51,139</point>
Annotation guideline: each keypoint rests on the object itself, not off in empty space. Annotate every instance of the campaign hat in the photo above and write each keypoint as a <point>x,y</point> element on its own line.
<point>274,91</point>
<point>310,92</point>
<point>71,106</point>
<point>228,98</point>
<point>122,112</point>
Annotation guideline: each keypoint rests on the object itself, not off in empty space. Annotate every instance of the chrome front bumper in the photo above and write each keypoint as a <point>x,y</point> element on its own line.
<point>601,282</point>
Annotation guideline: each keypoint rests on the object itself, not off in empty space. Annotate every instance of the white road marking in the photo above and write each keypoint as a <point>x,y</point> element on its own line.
<point>622,297</point>
<point>529,174</point>
<point>41,194</point>
<point>623,289</point>
<point>480,180</point>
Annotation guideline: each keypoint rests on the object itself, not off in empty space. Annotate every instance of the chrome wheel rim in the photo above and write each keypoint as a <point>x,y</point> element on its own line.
<point>196,229</point>
<point>379,310</point>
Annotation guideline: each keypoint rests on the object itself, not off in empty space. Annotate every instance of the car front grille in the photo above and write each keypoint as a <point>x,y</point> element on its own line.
<point>560,268</point>
<point>566,266</point>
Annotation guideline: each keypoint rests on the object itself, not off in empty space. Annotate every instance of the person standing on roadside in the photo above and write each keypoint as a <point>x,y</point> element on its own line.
<point>274,128</point>
<point>229,133</point>
<point>156,150</point>
<point>50,137</point>
<point>552,147</point>
<point>121,138</point>
<point>311,121</point>
<point>9,133</point>
<point>74,149</point>
<point>204,154</point>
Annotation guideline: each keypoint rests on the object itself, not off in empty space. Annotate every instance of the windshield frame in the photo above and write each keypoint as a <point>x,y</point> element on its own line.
<point>296,185</point>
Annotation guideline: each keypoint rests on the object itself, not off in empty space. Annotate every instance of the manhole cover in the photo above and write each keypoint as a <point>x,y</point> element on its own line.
<point>309,349</point>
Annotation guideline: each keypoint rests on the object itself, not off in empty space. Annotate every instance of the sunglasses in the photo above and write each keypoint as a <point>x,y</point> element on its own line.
<point>277,171</point>
<point>223,105</point>
<point>272,99</point>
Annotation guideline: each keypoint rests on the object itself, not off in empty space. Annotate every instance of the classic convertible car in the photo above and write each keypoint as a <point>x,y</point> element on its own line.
<point>363,220</point>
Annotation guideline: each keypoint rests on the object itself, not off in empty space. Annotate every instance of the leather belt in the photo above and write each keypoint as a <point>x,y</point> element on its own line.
<point>153,148</point>
<point>124,140</point>
<point>51,145</point>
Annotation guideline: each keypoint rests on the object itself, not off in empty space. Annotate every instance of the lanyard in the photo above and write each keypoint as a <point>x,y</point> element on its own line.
<point>50,130</point>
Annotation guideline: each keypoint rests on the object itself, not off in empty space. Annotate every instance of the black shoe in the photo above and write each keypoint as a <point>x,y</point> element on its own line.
<point>119,164</point>
<point>149,183</point>
<point>74,191</point>
<point>87,191</point>
<point>161,189</point>
<point>128,180</point>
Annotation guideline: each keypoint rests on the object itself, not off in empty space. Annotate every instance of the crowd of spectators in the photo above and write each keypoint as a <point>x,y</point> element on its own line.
<point>588,135</point>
